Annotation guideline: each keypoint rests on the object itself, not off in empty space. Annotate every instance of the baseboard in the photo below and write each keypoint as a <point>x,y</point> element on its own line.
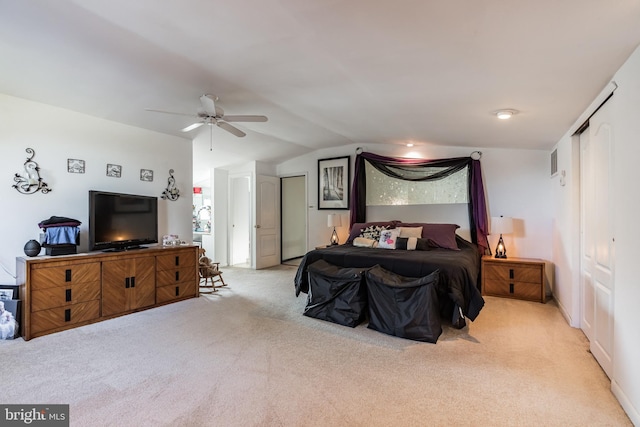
<point>564,312</point>
<point>626,404</point>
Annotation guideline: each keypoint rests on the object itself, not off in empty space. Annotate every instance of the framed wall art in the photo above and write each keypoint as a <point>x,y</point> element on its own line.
<point>333,182</point>
<point>146,175</point>
<point>75,166</point>
<point>114,171</point>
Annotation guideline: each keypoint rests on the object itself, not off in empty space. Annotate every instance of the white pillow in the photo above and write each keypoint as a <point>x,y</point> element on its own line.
<point>410,232</point>
<point>363,242</point>
<point>388,238</point>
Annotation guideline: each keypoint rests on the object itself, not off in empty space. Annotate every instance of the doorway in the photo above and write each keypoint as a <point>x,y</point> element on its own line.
<point>293,205</point>
<point>240,221</point>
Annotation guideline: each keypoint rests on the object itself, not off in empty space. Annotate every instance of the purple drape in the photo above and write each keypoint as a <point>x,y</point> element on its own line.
<point>394,167</point>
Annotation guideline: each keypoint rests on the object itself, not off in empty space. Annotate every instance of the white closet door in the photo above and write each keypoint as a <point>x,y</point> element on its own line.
<point>597,240</point>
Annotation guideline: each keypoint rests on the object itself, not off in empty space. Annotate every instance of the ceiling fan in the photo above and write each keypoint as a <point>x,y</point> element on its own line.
<point>212,114</point>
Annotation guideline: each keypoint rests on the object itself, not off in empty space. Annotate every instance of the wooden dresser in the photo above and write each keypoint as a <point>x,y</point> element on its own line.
<point>63,292</point>
<point>519,278</point>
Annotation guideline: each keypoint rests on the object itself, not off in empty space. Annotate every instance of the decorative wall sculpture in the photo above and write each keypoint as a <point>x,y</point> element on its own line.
<point>171,192</point>
<point>31,182</point>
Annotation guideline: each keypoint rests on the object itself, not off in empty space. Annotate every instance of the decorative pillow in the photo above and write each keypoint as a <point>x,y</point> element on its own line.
<point>363,242</point>
<point>410,232</point>
<point>388,239</point>
<point>423,245</point>
<point>369,230</point>
<point>438,235</point>
<point>407,243</point>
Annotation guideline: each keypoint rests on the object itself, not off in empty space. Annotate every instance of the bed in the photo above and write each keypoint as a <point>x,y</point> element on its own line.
<point>459,271</point>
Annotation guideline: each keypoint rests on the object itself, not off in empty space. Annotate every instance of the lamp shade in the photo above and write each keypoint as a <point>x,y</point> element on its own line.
<point>333,220</point>
<point>501,225</point>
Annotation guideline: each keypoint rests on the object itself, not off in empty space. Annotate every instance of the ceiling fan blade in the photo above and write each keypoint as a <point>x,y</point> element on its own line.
<point>170,112</point>
<point>192,127</point>
<point>245,118</point>
<point>209,104</point>
<point>229,128</point>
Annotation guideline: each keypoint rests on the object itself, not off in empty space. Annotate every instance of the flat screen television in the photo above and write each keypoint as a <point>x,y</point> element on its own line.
<point>120,222</point>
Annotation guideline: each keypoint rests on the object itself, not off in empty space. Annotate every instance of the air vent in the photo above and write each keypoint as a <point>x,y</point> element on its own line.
<point>554,162</point>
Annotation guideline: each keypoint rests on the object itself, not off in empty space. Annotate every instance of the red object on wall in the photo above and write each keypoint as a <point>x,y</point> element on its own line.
<point>197,190</point>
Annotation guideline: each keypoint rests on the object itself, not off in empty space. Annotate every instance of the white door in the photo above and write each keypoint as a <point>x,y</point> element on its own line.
<point>267,223</point>
<point>597,240</point>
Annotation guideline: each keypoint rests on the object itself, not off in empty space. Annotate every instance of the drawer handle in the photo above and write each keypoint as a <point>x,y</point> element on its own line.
<point>511,273</point>
<point>67,275</point>
<point>177,259</point>
<point>67,315</point>
<point>510,288</point>
<point>127,282</point>
<point>177,276</point>
<point>67,295</point>
<point>177,291</point>
<point>133,282</point>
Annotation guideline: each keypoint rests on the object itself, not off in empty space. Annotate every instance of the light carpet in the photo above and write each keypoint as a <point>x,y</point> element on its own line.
<point>246,356</point>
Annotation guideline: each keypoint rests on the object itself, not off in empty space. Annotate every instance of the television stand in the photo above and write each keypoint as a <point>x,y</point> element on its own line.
<point>60,293</point>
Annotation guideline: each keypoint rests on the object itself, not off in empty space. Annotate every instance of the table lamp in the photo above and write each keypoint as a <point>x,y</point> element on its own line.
<point>502,225</point>
<point>334,221</point>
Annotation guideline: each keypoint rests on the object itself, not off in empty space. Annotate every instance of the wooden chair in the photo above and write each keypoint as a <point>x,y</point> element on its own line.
<point>209,272</point>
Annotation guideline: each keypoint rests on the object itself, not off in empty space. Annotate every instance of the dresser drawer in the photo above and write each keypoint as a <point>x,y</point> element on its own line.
<point>175,260</point>
<point>180,290</point>
<point>176,275</point>
<point>53,318</point>
<point>513,272</point>
<point>48,277</point>
<point>521,290</point>
<point>45,298</point>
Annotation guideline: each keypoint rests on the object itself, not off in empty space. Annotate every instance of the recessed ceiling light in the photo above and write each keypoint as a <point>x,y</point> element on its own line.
<point>410,144</point>
<point>505,114</point>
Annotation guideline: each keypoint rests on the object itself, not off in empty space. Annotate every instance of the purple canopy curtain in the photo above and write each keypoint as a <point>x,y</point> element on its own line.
<point>424,170</point>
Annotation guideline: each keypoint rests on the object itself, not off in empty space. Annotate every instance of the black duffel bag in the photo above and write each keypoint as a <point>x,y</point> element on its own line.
<point>403,306</point>
<point>336,294</point>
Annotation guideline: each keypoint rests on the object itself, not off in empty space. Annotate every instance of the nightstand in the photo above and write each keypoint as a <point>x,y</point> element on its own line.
<point>519,278</point>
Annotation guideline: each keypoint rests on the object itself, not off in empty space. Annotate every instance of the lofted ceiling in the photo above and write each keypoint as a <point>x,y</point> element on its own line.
<point>325,72</point>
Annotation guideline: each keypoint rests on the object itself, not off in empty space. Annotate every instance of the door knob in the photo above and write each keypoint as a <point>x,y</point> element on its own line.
<point>257,226</point>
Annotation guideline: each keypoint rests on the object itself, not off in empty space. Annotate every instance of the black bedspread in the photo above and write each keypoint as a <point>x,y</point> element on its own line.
<point>459,270</point>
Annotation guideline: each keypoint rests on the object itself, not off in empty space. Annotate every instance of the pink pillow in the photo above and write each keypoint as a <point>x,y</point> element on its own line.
<point>438,235</point>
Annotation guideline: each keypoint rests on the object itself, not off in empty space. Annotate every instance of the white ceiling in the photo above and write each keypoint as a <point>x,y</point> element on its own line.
<point>326,72</point>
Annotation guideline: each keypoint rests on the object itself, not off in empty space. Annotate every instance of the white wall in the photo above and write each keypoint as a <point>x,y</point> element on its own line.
<point>625,105</point>
<point>57,134</point>
<point>517,184</point>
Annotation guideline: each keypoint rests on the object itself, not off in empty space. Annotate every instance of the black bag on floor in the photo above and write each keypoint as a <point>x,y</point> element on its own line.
<point>336,294</point>
<point>403,306</point>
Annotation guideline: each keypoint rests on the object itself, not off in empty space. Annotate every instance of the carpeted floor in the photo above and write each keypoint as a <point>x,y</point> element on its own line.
<point>246,356</point>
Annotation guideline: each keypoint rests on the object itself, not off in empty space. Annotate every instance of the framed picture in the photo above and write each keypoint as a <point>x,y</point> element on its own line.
<point>146,175</point>
<point>9,292</point>
<point>333,182</point>
<point>75,166</point>
<point>114,171</point>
